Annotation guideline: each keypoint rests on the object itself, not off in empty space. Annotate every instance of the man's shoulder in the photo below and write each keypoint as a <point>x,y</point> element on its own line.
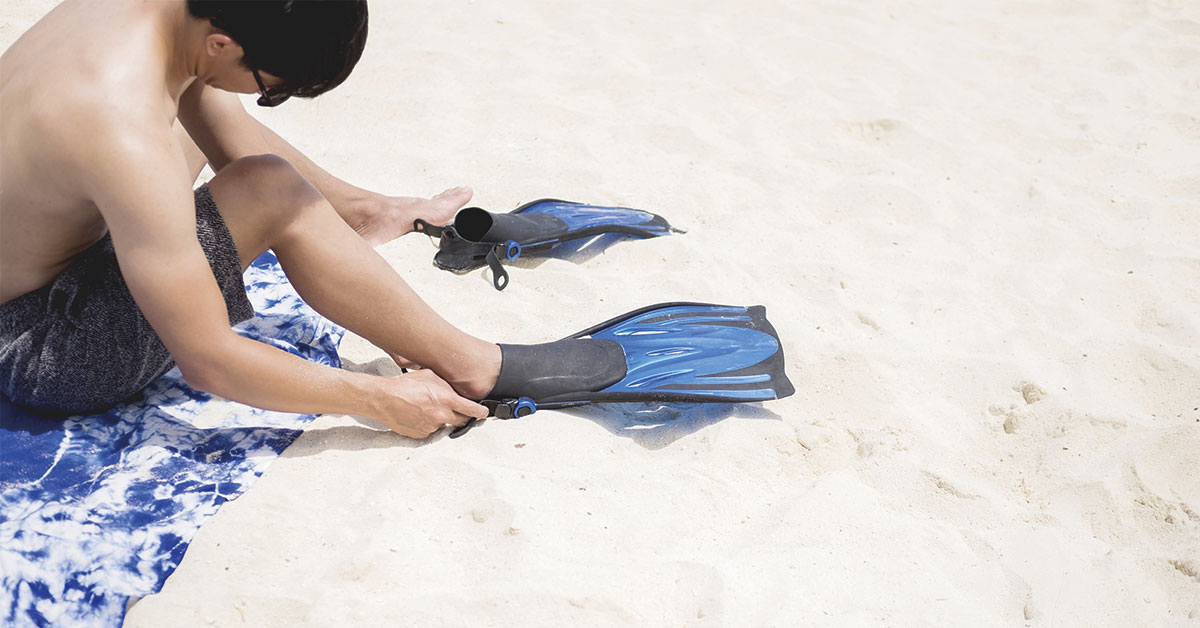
<point>84,123</point>
<point>70,78</point>
<point>91,130</point>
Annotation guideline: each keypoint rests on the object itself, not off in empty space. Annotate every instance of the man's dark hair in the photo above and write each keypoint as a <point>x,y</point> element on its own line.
<point>311,44</point>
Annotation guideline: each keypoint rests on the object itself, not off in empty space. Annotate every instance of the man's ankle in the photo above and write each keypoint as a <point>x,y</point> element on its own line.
<point>482,375</point>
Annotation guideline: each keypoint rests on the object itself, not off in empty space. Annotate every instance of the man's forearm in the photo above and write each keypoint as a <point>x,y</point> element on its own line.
<point>262,376</point>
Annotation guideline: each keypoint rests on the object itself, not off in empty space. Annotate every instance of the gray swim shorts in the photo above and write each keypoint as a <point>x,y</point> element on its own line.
<point>81,344</point>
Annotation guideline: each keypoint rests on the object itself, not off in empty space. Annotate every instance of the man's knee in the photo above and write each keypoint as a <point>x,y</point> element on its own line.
<point>269,180</point>
<point>260,198</point>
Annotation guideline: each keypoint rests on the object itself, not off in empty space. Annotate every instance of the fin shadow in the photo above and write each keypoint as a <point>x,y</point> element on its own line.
<point>655,425</point>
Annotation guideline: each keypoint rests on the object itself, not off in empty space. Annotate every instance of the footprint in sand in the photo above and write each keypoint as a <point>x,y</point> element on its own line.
<point>1031,393</point>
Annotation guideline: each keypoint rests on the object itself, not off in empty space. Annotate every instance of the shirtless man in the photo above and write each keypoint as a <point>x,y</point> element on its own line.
<point>109,111</point>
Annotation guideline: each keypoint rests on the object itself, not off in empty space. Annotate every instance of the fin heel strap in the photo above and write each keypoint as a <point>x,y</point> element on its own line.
<point>499,275</point>
<point>428,228</point>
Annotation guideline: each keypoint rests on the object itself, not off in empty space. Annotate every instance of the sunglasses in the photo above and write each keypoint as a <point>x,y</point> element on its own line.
<point>268,98</point>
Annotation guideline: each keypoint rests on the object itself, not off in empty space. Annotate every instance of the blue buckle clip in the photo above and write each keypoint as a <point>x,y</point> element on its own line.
<point>507,409</point>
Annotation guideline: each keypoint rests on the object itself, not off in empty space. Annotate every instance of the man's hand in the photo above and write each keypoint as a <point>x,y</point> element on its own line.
<point>420,403</point>
<point>389,217</point>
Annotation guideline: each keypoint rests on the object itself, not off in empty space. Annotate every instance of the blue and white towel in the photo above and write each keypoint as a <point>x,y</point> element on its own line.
<point>95,510</point>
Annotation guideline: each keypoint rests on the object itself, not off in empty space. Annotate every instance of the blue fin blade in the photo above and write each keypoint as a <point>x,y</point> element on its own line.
<point>696,352</point>
<point>579,216</point>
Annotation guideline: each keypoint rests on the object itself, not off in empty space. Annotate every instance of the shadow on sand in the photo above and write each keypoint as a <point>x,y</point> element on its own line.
<point>656,425</point>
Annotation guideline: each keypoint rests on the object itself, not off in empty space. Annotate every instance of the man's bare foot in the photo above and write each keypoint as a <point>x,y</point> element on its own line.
<point>388,217</point>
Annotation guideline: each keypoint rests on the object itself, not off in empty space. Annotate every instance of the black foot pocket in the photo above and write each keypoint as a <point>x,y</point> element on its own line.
<point>554,369</point>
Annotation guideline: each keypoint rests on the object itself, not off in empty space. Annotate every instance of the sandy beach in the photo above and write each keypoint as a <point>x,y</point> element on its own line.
<point>973,224</point>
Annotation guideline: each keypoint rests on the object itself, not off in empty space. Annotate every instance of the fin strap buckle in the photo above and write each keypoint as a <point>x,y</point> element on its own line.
<point>506,409</point>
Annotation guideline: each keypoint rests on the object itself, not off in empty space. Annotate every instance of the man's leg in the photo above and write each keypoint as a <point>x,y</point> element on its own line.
<point>267,204</point>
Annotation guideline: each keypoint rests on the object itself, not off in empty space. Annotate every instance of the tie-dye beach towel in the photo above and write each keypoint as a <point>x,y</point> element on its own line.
<point>98,510</point>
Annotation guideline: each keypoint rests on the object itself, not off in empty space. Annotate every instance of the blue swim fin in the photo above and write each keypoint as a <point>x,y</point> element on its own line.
<point>671,352</point>
<point>545,227</point>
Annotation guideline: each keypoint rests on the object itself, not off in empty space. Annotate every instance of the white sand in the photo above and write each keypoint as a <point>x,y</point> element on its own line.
<point>973,223</point>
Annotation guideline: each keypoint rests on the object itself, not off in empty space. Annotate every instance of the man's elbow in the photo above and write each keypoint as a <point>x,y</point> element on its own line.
<point>202,375</point>
<point>207,369</point>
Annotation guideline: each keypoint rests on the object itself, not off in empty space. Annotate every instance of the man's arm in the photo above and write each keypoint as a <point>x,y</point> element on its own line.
<point>142,189</point>
<point>224,131</point>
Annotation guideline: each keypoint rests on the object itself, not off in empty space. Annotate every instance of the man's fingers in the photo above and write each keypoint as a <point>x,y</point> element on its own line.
<point>471,409</point>
<point>465,412</point>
